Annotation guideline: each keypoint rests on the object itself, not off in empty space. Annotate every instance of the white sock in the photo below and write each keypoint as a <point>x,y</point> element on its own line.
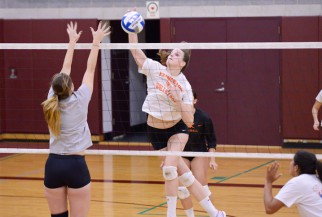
<point>172,206</point>
<point>189,212</point>
<point>209,207</point>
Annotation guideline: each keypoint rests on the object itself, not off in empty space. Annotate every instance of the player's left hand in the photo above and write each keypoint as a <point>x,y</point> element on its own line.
<point>213,165</point>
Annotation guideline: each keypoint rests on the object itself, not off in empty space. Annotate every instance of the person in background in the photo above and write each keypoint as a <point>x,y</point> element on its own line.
<point>304,190</point>
<point>67,179</point>
<point>202,138</point>
<point>315,111</point>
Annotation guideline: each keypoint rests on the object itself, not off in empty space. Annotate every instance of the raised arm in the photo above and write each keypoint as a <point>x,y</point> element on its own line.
<point>271,204</point>
<point>98,36</point>
<point>138,55</point>
<point>73,38</point>
<point>315,112</point>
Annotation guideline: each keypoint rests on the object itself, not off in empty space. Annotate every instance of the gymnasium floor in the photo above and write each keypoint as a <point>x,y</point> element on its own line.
<point>133,186</point>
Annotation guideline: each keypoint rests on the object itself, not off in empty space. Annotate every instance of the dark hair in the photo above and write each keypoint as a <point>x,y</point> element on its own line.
<point>163,54</point>
<point>194,94</point>
<point>308,163</point>
<point>186,57</point>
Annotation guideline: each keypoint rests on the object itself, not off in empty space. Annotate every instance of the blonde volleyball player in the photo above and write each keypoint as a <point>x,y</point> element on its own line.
<point>67,179</point>
<point>304,190</point>
<point>169,105</point>
<point>315,111</point>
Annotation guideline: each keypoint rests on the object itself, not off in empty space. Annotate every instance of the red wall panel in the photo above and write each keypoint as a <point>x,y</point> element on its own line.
<point>2,74</point>
<point>299,79</point>
<point>320,65</point>
<point>253,83</point>
<point>165,30</point>
<point>35,69</point>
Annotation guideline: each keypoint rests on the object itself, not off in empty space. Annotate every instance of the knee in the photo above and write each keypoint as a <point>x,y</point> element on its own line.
<point>169,172</point>
<point>187,179</point>
<point>183,193</point>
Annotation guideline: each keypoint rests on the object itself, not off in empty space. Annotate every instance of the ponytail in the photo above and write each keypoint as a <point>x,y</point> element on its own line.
<point>163,54</point>
<point>318,166</point>
<point>52,114</point>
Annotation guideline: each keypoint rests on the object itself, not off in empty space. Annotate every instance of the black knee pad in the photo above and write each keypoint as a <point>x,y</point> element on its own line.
<point>64,214</point>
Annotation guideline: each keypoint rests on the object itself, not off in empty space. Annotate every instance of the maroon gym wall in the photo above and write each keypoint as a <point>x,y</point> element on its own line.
<point>300,78</point>
<point>2,73</point>
<point>23,96</point>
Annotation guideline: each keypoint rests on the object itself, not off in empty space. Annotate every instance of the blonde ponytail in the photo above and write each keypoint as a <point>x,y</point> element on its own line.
<point>52,114</point>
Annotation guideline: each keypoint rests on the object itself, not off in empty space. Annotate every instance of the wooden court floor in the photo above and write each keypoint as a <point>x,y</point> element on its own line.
<point>133,186</point>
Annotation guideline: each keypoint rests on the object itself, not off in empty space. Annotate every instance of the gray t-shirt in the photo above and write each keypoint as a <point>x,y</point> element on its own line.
<point>75,135</point>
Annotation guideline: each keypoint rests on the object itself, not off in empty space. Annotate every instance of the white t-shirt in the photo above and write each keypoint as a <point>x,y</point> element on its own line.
<point>319,97</point>
<point>305,191</point>
<point>157,103</point>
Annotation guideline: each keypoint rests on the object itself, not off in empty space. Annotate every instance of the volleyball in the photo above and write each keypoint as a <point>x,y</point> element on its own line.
<point>132,22</point>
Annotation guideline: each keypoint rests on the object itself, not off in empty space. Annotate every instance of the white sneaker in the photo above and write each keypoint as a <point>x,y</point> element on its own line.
<point>221,214</point>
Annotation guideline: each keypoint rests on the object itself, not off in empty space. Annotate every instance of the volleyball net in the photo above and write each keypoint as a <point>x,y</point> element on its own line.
<point>259,96</point>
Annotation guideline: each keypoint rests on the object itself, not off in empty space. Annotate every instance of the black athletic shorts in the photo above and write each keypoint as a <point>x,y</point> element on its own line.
<point>159,137</point>
<point>66,170</point>
<point>189,158</point>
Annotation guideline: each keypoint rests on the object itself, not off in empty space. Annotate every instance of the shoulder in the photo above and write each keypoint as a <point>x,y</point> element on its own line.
<point>297,182</point>
<point>83,91</point>
<point>319,97</point>
<point>202,114</point>
<point>182,77</point>
<point>152,64</point>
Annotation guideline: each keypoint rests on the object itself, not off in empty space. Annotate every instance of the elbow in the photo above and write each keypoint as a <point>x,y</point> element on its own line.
<point>270,210</point>
<point>189,124</point>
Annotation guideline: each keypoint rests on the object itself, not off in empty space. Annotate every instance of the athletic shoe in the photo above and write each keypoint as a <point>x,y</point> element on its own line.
<point>221,214</point>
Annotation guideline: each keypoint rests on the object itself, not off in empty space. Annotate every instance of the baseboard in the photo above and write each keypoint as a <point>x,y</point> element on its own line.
<point>26,137</point>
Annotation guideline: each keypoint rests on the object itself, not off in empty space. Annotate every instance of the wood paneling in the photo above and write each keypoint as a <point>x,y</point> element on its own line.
<point>36,67</point>
<point>239,89</point>
<point>300,78</point>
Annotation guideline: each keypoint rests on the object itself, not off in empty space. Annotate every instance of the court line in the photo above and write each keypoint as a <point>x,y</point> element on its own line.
<point>247,171</point>
<point>225,179</point>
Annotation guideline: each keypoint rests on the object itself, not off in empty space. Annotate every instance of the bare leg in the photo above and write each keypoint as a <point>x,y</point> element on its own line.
<point>79,201</point>
<point>57,199</point>
<point>199,168</point>
<point>175,143</point>
<point>184,195</point>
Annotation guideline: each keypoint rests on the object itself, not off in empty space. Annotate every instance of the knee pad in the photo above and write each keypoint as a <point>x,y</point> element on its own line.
<point>169,172</point>
<point>206,187</point>
<point>183,192</point>
<point>187,179</point>
<point>64,214</point>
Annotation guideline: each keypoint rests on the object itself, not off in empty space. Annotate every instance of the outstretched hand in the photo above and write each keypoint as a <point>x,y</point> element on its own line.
<point>272,172</point>
<point>100,33</point>
<point>72,32</point>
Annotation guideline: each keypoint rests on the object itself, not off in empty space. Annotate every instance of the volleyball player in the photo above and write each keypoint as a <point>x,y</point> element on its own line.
<point>304,190</point>
<point>202,138</point>
<point>315,111</point>
<point>169,105</point>
<point>66,173</point>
